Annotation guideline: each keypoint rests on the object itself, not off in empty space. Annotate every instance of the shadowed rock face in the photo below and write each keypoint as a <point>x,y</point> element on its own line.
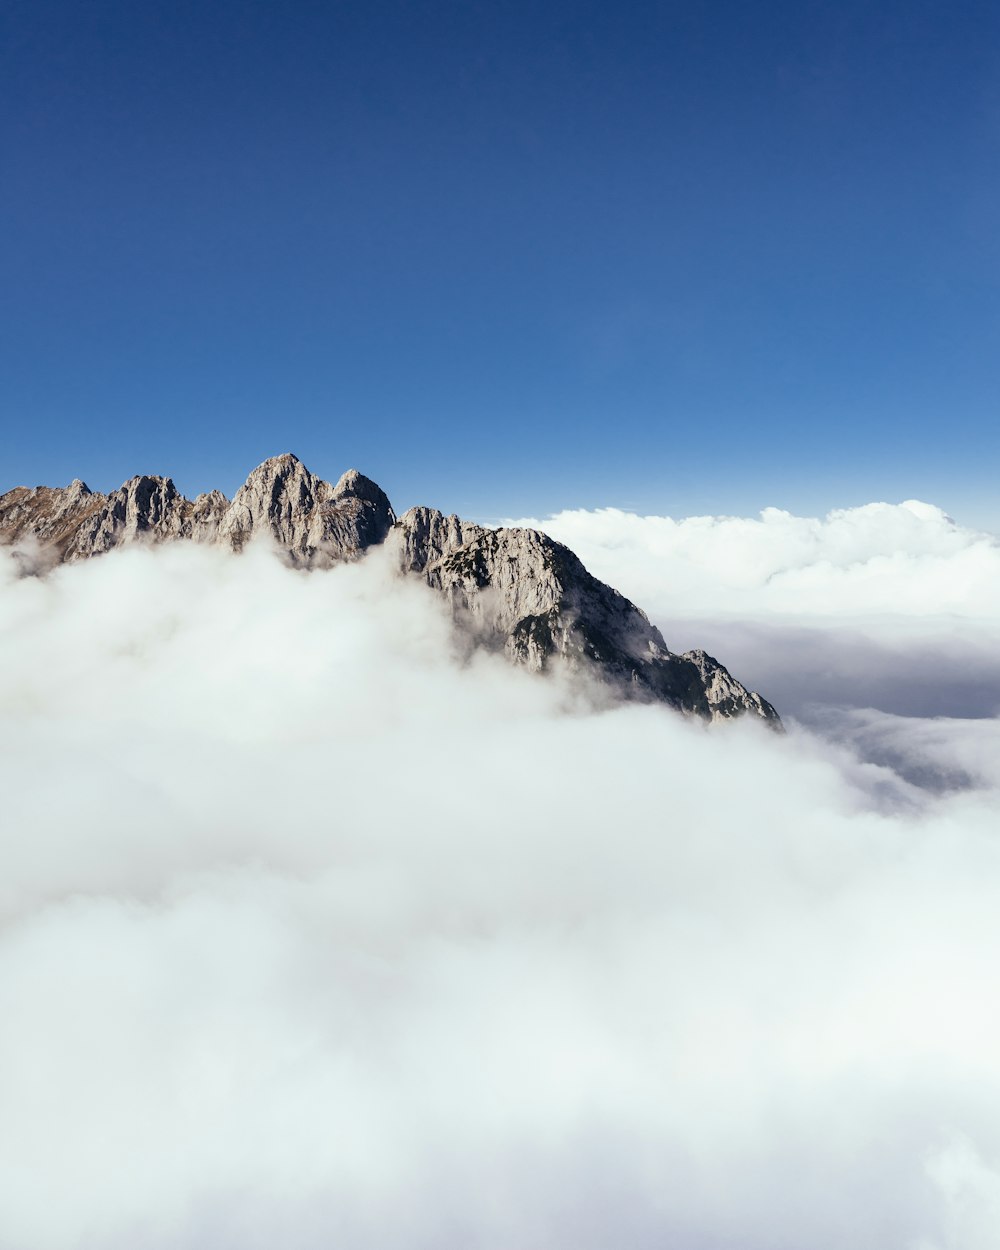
<point>516,590</point>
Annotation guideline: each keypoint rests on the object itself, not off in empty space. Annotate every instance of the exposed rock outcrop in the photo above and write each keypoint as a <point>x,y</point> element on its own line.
<point>51,517</point>
<point>516,590</point>
<point>146,509</point>
<point>521,590</point>
<point>313,522</point>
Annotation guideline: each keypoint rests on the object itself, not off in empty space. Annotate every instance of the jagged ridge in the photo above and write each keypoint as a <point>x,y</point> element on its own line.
<point>312,521</point>
<point>516,589</point>
<point>531,594</point>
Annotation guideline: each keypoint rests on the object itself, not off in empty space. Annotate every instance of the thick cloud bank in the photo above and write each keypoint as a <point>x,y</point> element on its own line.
<point>879,559</point>
<point>315,934</point>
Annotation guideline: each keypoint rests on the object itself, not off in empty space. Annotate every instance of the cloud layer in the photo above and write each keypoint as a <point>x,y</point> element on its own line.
<point>898,559</point>
<point>314,933</point>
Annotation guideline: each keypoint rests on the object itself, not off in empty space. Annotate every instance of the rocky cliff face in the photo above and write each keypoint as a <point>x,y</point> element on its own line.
<point>311,521</point>
<point>515,590</point>
<point>521,590</point>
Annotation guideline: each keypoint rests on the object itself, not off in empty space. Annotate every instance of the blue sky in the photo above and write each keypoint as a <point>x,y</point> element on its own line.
<point>506,258</point>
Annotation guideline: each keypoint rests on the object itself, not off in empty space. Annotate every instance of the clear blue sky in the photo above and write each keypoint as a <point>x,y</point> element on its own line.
<point>506,257</point>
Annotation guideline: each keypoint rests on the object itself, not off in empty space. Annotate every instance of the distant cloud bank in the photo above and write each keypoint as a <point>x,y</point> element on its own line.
<point>898,559</point>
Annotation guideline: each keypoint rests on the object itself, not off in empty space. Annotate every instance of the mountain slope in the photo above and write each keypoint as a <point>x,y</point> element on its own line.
<point>521,588</point>
<point>514,589</point>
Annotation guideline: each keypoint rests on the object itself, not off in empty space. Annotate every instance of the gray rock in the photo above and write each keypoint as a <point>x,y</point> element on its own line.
<point>520,590</point>
<point>512,590</point>
<point>144,509</point>
<point>314,523</point>
<point>311,521</point>
<point>51,517</point>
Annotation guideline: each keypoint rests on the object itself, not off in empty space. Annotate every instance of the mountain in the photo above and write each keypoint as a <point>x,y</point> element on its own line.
<point>515,590</point>
<point>311,521</point>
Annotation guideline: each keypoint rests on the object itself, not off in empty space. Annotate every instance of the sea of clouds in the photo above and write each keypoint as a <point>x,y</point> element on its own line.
<point>315,932</point>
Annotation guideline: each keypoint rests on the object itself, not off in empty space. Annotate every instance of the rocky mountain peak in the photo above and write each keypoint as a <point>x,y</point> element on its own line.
<point>512,590</point>
<point>356,484</point>
<point>313,522</point>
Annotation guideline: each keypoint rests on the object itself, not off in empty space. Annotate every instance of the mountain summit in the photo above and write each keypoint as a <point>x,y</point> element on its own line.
<point>515,590</point>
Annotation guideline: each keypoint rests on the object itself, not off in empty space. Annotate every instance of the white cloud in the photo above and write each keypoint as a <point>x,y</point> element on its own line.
<point>908,559</point>
<point>313,933</point>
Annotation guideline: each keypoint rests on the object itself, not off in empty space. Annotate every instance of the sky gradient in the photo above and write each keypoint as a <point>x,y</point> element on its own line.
<point>506,259</point>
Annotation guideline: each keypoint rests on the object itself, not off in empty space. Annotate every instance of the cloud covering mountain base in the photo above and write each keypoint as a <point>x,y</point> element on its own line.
<point>318,932</point>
